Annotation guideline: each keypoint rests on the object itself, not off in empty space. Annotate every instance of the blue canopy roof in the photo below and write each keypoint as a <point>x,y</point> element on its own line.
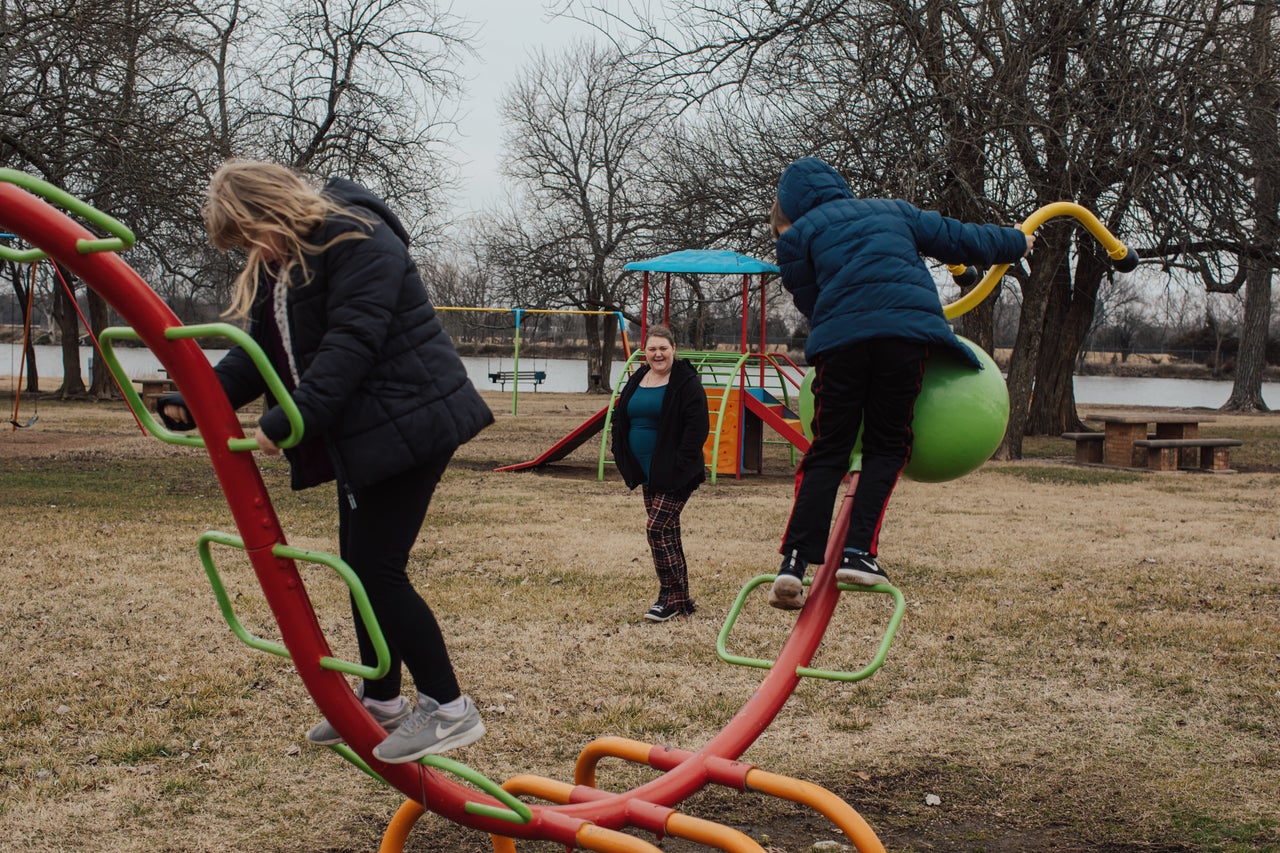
<point>704,261</point>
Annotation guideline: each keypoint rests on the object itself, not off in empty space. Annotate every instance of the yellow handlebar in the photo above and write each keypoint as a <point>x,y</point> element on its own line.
<point>1126,260</point>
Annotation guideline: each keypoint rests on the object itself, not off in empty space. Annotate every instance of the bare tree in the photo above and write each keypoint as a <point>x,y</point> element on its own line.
<point>130,104</point>
<point>361,89</point>
<point>1262,109</point>
<point>580,146</point>
<point>985,110</point>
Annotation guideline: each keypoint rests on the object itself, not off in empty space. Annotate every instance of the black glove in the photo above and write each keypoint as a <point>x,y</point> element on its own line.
<point>170,423</point>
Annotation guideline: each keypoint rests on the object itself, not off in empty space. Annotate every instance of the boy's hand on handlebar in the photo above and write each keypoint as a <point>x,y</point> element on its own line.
<point>1031,240</point>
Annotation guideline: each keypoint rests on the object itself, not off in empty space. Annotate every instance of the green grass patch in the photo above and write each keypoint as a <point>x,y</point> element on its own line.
<point>1213,835</point>
<point>142,752</point>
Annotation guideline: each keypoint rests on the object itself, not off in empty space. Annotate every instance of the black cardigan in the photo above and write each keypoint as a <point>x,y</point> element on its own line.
<point>381,384</point>
<point>683,425</point>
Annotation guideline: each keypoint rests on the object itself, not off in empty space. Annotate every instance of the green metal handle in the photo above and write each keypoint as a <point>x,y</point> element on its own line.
<point>122,240</point>
<point>254,642</point>
<point>206,330</point>
<point>516,811</point>
<point>899,608</point>
<point>350,755</point>
<point>363,607</point>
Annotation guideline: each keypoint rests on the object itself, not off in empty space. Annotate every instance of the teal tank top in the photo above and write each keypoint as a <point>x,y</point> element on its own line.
<point>644,408</point>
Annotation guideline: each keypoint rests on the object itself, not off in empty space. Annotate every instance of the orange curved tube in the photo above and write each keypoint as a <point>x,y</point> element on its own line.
<point>536,786</point>
<point>712,834</point>
<point>1115,249</point>
<point>677,825</point>
<point>592,837</point>
<point>503,844</point>
<point>398,829</point>
<point>835,809</point>
<point>584,771</point>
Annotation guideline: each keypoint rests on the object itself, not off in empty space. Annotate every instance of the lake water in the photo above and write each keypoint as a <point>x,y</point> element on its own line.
<point>570,376</point>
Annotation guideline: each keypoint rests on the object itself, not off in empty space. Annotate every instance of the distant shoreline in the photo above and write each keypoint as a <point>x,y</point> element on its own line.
<point>1137,365</point>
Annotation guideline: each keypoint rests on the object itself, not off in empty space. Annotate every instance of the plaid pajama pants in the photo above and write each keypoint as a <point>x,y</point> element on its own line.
<point>663,532</point>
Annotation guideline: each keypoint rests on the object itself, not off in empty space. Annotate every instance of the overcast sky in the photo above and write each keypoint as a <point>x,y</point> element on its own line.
<point>510,32</point>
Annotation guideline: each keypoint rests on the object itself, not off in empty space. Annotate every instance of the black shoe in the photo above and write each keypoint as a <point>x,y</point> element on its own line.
<point>793,564</point>
<point>859,568</point>
<point>662,612</point>
<point>787,592</point>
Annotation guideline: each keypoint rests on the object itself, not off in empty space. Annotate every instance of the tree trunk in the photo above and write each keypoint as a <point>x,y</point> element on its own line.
<point>1246,390</point>
<point>102,384</point>
<point>1026,347</point>
<point>64,314</point>
<point>602,337</point>
<point>608,339</point>
<point>978,325</point>
<point>1071,303</point>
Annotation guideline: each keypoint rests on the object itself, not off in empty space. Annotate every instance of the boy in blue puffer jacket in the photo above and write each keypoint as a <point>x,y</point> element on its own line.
<point>854,269</point>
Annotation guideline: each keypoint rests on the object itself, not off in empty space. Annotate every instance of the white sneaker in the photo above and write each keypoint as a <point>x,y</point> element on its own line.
<point>324,734</point>
<point>428,731</point>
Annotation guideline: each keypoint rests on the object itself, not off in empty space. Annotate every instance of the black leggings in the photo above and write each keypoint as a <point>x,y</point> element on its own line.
<point>375,538</point>
<point>871,385</point>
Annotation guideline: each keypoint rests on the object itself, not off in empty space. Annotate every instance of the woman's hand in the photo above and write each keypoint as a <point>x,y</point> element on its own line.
<point>176,413</point>
<point>265,444</point>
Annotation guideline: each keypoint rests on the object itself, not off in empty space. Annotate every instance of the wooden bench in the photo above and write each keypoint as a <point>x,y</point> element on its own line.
<point>154,388</point>
<point>1088,446</point>
<point>502,377</point>
<point>1163,453</point>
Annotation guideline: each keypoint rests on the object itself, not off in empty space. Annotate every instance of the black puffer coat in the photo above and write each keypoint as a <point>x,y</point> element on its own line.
<point>677,464</point>
<point>379,380</point>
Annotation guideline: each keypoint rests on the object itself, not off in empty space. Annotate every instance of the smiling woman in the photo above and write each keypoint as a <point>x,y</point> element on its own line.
<point>660,424</point>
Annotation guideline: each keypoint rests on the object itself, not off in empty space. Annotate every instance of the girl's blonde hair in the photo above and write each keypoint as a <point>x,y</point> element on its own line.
<point>269,211</point>
<point>778,220</point>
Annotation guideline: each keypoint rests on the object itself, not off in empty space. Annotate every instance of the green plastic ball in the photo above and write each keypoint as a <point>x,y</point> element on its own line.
<point>960,416</point>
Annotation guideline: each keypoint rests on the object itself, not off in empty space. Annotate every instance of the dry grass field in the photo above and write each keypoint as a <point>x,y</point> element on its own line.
<point>1090,658</point>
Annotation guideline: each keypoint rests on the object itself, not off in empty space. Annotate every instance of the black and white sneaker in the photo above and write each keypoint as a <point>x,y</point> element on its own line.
<point>787,592</point>
<point>662,613</point>
<point>860,568</point>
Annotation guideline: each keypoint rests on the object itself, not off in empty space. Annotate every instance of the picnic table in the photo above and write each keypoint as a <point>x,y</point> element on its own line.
<point>1159,441</point>
<point>154,387</point>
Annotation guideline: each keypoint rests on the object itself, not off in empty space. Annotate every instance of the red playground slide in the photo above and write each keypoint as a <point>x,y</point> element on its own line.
<point>564,446</point>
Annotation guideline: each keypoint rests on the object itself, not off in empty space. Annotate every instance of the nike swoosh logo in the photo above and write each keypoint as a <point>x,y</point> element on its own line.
<point>444,731</point>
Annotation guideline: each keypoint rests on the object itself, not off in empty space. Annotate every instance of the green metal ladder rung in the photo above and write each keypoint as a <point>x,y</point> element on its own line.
<point>515,811</point>
<point>206,330</point>
<point>899,608</point>
<point>358,595</point>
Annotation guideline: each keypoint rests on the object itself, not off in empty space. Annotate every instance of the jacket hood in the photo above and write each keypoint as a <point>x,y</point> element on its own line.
<point>808,183</point>
<point>350,194</point>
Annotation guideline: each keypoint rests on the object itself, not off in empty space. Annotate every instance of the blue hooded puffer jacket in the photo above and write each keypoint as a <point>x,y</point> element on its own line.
<point>853,265</point>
